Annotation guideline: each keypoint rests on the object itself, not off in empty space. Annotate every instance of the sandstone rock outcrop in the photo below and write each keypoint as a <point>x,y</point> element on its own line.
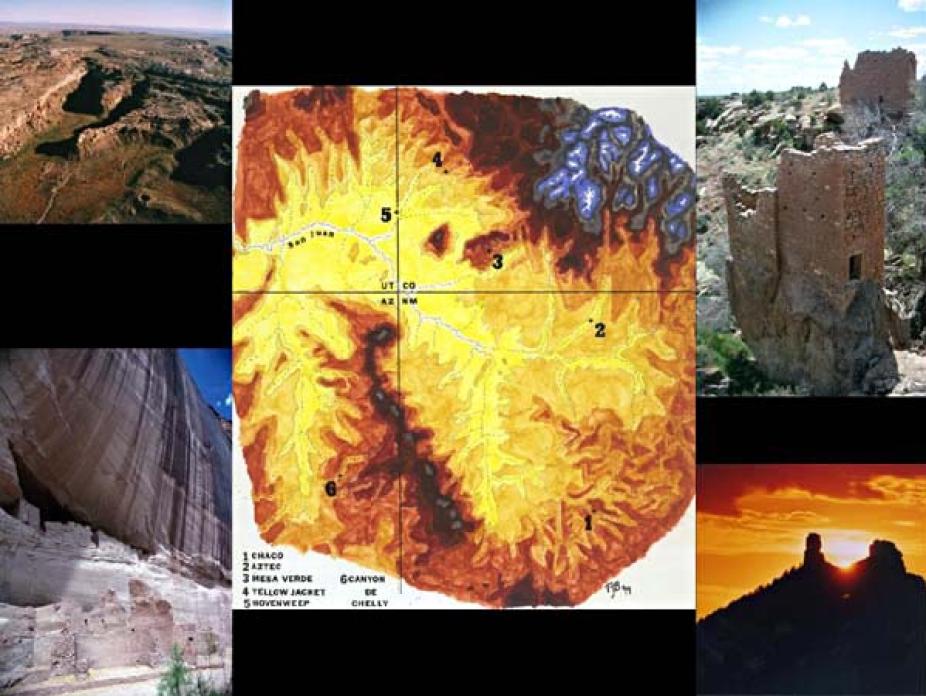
<point>880,79</point>
<point>854,630</point>
<point>32,96</point>
<point>115,497</point>
<point>120,439</point>
<point>805,269</point>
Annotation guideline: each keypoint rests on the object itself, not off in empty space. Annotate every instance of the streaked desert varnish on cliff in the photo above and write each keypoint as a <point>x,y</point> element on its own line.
<point>483,441</point>
<point>122,440</point>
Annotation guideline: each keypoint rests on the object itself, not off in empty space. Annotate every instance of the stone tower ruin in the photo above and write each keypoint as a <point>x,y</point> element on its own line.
<point>882,79</point>
<point>805,269</point>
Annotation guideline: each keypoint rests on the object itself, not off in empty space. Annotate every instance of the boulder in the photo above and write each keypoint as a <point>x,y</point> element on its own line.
<point>834,115</point>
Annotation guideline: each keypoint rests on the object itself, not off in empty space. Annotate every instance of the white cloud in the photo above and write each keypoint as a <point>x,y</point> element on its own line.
<point>907,32</point>
<point>785,22</point>
<point>912,5</point>
<point>228,400</point>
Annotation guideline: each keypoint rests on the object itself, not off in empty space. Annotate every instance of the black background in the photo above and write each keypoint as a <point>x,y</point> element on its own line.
<point>111,286</point>
<point>811,430</point>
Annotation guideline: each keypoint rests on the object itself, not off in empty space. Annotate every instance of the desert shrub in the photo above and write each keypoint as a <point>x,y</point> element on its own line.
<point>918,135</point>
<point>734,359</point>
<point>177,680</point>
<point>754,99</point>
<point>773,132</point>
<point>703,223</point>
<point>709,107</point>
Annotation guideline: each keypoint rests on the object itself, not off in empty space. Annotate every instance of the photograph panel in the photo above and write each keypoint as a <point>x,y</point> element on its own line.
<point>115,519</point>
<point>811,253</point>
<point>115,112</point>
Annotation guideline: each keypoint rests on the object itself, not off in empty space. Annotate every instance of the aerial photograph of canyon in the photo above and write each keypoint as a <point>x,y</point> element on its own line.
<point>123,122</point>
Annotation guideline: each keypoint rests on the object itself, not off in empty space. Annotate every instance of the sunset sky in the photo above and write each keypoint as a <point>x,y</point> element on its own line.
<point>752,520</point>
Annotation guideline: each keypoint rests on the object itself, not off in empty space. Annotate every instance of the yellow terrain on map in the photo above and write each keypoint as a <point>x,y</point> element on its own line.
<point>464,336</point>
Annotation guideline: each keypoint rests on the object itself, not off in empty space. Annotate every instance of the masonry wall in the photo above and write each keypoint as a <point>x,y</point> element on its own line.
<point>753,225</point>
<point>865,217</point>
<point>789,270</point>
<point>879,77</point>
<point>831,207</point>
<point>810,212</point>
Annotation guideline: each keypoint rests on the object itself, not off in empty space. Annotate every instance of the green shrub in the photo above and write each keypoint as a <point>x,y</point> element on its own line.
<point>709,107</point>
<point>703,224</point>
<point>176,680</point>
<point>823,87</point>
<point>754,99</point>
<point>919,136</point>
<point>734,359</point>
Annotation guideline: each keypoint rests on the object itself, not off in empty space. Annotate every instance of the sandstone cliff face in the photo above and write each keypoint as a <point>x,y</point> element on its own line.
<point>32,101</point>
<point>115,495</point>
<point>120,440</point>
<point>75,599</point>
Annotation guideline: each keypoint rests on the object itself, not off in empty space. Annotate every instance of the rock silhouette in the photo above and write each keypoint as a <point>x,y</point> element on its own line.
<point>821,629</point>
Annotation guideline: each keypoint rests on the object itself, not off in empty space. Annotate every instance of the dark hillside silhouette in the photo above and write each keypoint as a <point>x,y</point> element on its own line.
<point>821,629</point>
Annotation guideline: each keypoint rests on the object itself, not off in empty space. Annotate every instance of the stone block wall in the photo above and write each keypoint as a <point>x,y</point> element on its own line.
<point>880,78</point>
<point>805,269</point>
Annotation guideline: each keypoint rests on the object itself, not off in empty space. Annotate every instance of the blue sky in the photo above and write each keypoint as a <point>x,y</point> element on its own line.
<point>163,14</point>
<point>776,44</point>
<point>211,370</point>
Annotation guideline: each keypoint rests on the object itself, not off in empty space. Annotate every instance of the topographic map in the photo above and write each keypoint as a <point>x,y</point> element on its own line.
<point>463,336</point>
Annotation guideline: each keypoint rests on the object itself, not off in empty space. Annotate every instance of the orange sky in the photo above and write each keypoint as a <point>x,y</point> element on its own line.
<point>752,520</point>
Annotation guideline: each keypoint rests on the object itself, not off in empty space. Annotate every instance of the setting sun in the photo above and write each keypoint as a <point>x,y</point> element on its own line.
<point>843,548</point>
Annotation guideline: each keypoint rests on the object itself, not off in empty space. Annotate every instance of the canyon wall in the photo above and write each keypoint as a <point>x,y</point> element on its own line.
<point>32,99</point>
<point>120,440</point>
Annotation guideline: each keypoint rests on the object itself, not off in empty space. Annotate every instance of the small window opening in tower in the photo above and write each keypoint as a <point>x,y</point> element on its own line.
<point>855,266</point>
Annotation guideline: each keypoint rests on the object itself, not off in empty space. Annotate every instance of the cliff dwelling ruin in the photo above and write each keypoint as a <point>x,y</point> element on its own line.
<point>805,270</point>
<point>880,79</point>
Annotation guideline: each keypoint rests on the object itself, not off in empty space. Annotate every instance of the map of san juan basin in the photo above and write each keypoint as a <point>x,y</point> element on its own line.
<point>464,347</point>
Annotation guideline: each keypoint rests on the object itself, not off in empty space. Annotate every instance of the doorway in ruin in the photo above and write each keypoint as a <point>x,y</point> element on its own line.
<point>855,267</point>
